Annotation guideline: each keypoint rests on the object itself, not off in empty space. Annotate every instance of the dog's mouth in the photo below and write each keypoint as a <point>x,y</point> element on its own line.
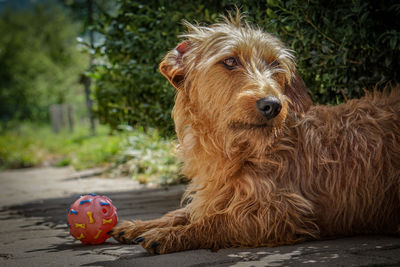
<point>249,126</point>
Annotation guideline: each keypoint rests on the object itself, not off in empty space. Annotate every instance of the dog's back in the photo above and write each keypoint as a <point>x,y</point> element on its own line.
<point>352,158</point>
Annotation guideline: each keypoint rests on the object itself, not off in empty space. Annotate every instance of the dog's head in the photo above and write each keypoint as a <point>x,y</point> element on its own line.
<point>235,76</point>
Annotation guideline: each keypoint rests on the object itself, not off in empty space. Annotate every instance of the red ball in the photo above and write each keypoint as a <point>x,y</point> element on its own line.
<point>91,217</point>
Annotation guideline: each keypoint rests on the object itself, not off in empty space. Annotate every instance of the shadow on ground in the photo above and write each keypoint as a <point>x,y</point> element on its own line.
<point>139,204</point>
<point>50,214</point>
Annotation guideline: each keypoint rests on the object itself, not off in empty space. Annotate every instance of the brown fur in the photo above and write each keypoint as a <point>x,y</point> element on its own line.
<point>310,172</point>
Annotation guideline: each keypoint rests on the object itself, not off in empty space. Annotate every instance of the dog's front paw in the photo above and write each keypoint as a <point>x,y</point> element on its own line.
<point>126,232</point>
<point>160,241</point>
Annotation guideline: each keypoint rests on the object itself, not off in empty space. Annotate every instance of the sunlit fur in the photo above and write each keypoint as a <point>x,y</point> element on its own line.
<point>311,172</point>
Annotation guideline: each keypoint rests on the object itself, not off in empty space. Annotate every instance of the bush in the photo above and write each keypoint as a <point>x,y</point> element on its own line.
<point>129,88</point>
<point>342,46</point>
<point>148,158</point>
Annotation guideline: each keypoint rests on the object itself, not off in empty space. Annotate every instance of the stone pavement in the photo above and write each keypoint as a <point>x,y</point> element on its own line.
<point>33,204</point>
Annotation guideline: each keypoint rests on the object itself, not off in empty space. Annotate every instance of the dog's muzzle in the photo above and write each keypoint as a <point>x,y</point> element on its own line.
<point>269,106</point>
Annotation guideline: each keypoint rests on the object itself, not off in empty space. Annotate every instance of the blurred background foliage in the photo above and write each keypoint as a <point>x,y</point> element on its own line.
<point>39,62</point>
<point>341,47</point>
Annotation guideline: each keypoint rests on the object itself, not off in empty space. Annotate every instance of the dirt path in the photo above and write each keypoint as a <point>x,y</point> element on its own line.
<point>33,204</point>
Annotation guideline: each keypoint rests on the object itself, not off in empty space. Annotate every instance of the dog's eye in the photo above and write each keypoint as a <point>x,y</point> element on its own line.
<point>230,63</point>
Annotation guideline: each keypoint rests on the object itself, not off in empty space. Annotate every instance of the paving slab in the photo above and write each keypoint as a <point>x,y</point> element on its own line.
<point>33,204</point>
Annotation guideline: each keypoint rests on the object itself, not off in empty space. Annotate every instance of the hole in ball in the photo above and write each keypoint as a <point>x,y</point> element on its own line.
<point>104,210</point>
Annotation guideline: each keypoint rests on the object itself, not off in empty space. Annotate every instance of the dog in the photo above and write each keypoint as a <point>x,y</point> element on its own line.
<point>267,167</point>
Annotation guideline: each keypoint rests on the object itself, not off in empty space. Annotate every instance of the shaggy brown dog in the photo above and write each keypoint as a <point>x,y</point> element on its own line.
<point>267,168</point>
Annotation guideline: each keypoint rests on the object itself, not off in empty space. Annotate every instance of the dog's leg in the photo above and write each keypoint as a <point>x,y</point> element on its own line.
<point>129,231</point>
<point>202,234</point>
<point>287,219</point>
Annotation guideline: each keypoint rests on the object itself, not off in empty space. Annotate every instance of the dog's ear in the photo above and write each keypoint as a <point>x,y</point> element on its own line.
<point>296,91</point>
<point>172,65</point>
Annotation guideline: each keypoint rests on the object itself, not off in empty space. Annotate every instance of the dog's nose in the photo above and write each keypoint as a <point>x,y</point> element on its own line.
<point>269,106</point>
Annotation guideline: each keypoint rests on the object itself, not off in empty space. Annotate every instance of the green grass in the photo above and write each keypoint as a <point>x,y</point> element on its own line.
<point>18,152</point>
<point>145,156</point>
<point>31,145</point>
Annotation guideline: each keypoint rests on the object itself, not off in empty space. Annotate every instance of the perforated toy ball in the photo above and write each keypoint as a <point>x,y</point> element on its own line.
<point>91,217</point>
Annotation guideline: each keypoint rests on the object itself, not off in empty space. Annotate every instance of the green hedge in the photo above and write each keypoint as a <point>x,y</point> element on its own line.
<point>341,47</point>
